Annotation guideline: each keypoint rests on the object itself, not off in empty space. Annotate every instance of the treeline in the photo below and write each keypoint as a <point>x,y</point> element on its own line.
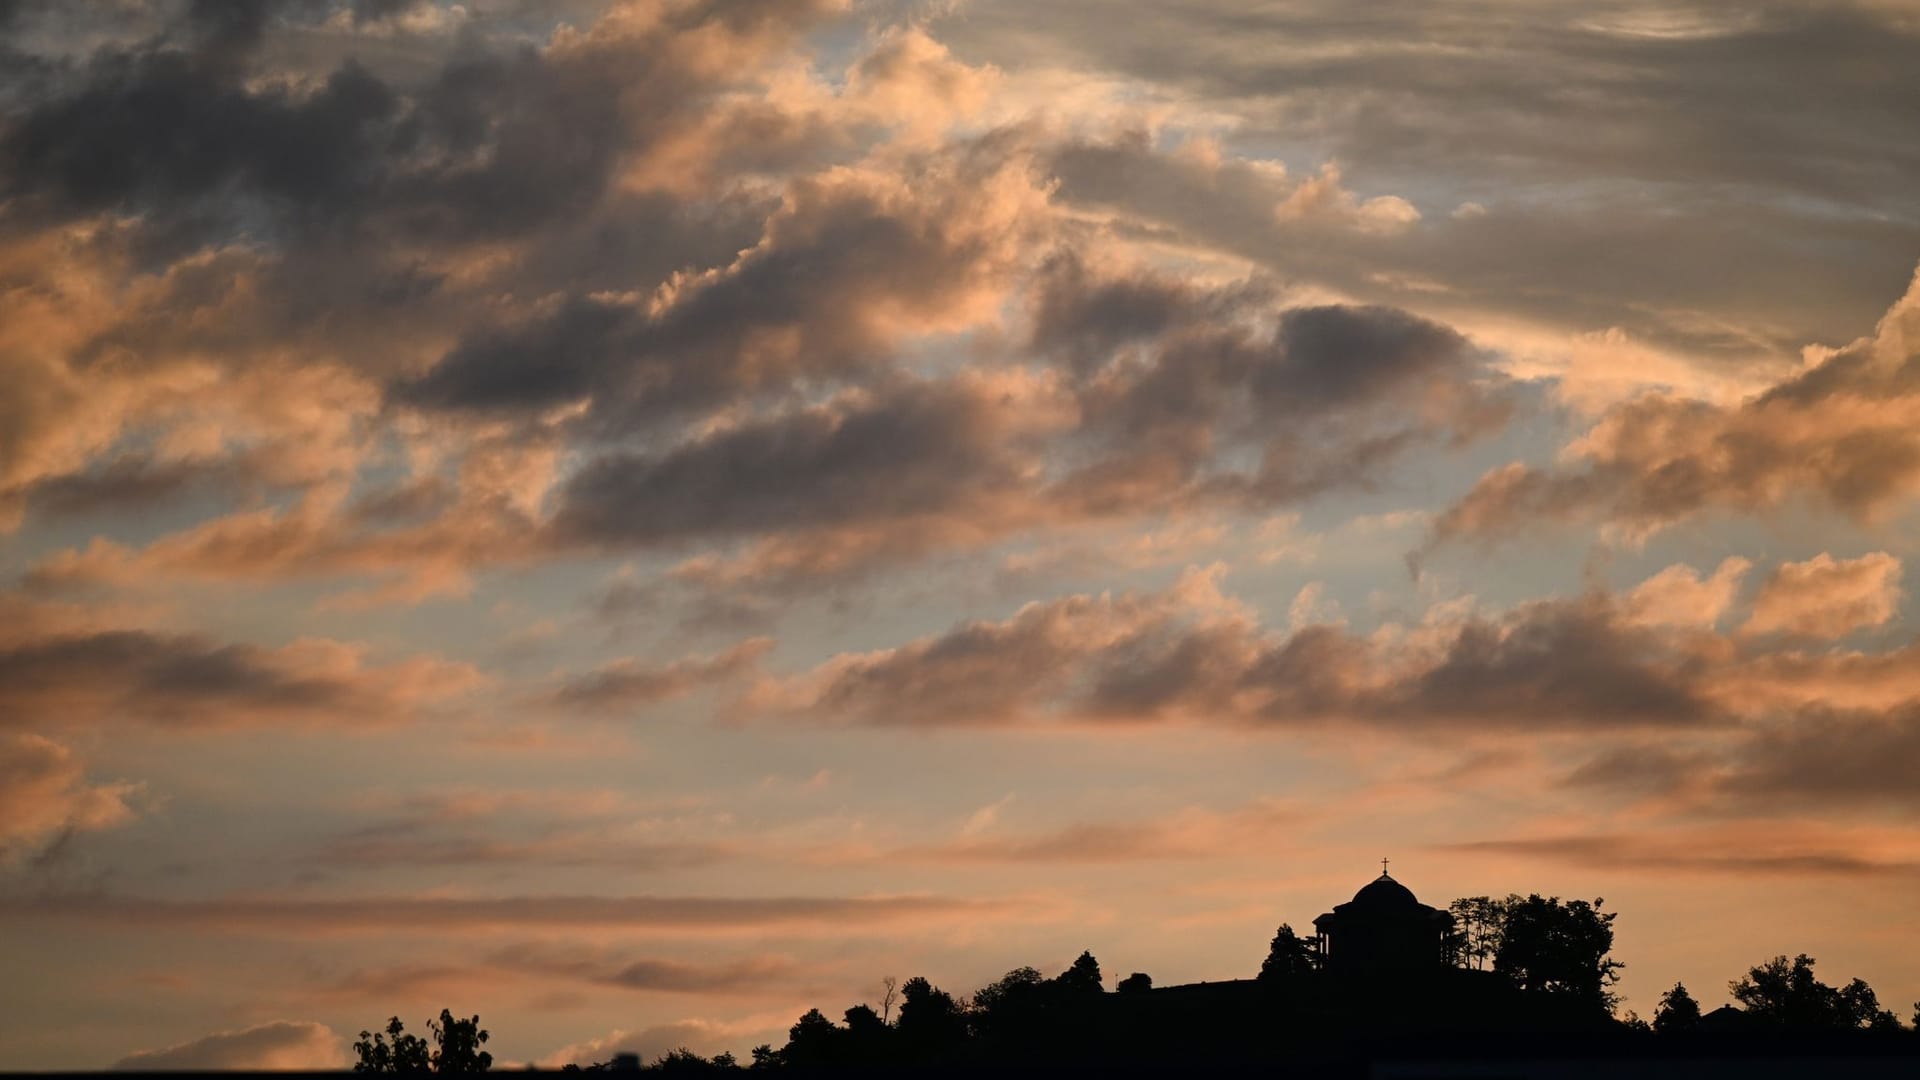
<point>1514,966</point>
<point>1782,995</point>
<point>1025,1019</point>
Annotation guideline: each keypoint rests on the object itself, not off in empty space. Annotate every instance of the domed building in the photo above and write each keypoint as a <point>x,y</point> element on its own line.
<point>1383,930</point>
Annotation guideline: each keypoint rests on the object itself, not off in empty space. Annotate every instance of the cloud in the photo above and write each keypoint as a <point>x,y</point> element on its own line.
<point>386,914</point>
<point>646,974</point>
<point>1650,657</point>
<point>1762,251</point>
<point>280,1045</point>
<point>189,680</point>
<point>1841,432</point>
<point>923,456</point>
<point>45,795</point>
<point>1740,852</point>
<point>1679,597</point>
<point>602,968</point>
<point>1193,654</point>
<point>1190,833</point>
<point>509,828</point>
<point>628,684</point>
<point>1828,758</point>
<point>1827,598</point>
<point>853,260</point>
<point>179,132</point>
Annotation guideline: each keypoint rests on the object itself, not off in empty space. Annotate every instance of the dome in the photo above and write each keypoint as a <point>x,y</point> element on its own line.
<point>1384,892</point>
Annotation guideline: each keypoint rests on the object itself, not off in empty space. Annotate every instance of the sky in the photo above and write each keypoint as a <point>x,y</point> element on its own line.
<point>639,519</point>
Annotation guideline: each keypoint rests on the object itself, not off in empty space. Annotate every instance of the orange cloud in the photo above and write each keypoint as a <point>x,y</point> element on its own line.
<point>45,793</point>
<point>280,1045</point>
<point>1845,430</point>
<point>1826,598</point>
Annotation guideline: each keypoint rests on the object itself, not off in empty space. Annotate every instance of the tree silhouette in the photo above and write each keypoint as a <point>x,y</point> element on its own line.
<point>1478,923</point>
<point>932,1026</point>
<point>458,1043</point>
<point>403,1054</point>
<point>1288,957</point>
<point>1083,976</point>
<point>868,1040</point>
<point>1677,1012</point>
<point>683,1062</point>
<point>1550,947</point>
<point>812,1042</point>
<point>1017,992</point>
<point>1137,983</point>
<point>455,1049</point>
<point>1787,994</point>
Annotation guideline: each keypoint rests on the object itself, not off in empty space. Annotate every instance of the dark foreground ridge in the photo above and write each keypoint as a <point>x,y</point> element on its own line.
<point>1386,986</point>
<point>1557,1056</point>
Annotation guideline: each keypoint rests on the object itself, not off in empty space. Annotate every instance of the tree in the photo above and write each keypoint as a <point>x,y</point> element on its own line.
<point>1083,976</point>
<point>1478,922</point>
<point>813,1041</point>
<point>1677,1012</point>
<point>1559,948</point>
<point>458,1043</point>
<point>932,1026</point>
<point>1288,957</point>
<point>868,1038</point>
<point>1787,994</point>
<point>1137,983</point>
<point>455,1049</point>
<point>682,1062</point>
<point>1017,989</point>
<point>891,988</point>
<point>861,1018</point>
<point>404,1054</point>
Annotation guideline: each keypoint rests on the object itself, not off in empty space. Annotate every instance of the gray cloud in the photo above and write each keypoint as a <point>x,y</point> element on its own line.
<point>844,267</point>
<point>923,450</point>
<point>1705,157</point>
<point>1323,400</point>
<point>189,680</point>
<point>650,974</point>
<point>1830,758</point>
<point>1564,665</point>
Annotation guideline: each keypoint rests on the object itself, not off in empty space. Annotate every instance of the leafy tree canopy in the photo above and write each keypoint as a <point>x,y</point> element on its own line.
<point>1288,957</point>
<point>1547,946</point>
<point>455,1048</point>
<point>1786,994</point>
<point>1678,1011</point>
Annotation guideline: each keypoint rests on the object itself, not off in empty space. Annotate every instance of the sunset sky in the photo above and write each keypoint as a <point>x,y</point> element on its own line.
<point>639,519</point>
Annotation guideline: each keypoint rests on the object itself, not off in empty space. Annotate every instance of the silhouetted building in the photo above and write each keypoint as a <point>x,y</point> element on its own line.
<point>1383,930</point>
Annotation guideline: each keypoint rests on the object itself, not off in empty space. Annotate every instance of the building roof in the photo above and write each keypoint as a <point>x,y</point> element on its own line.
<point>1384,892</point>
<point>1381,899</point>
